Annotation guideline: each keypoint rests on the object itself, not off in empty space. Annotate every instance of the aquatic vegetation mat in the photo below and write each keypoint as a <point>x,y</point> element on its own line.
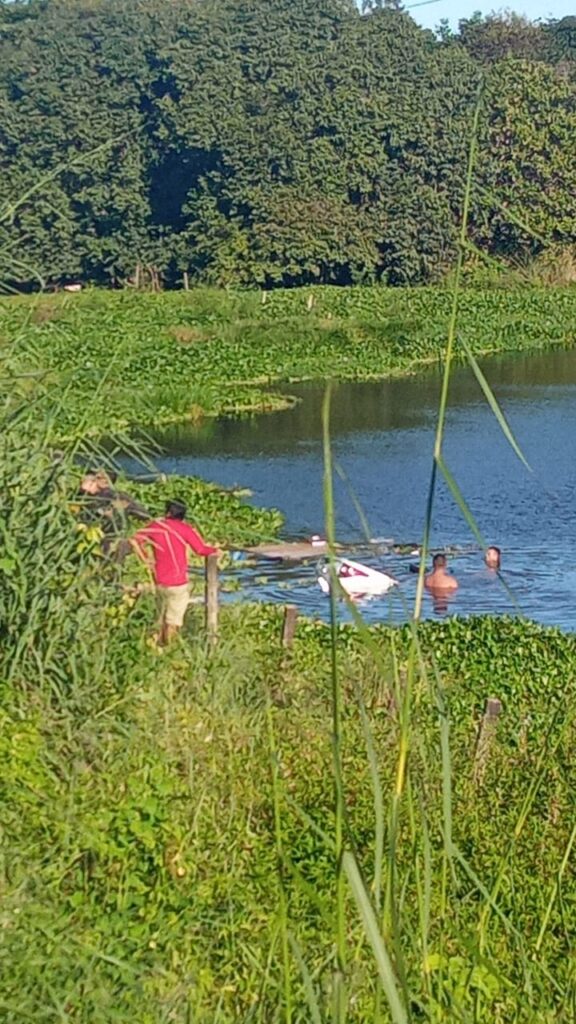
<point>136,358</point>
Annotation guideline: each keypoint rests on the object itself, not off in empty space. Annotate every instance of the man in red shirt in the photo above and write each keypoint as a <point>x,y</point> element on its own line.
<point>169,540</point>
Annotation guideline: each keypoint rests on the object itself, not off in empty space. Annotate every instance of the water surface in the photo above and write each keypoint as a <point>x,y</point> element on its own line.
<point>383,436</point>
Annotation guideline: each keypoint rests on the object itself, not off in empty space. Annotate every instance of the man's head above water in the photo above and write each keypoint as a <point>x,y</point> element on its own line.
<point>493,557</point>
<point>439,561</point>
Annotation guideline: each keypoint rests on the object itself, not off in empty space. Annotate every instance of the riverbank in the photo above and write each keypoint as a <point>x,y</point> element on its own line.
<point>248,833</point>
<point>124,358</point>
<point>169,822</point>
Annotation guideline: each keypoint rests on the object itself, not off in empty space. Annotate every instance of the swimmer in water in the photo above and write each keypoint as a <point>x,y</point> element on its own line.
<point>493,558</point>
<point>440,584</point>
<point>439,581</point>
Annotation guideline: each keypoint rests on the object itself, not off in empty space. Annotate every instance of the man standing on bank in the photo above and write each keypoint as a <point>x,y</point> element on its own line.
<point>169,539</point>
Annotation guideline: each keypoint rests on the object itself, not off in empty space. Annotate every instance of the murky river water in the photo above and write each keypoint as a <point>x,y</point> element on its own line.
<point>382,436</point>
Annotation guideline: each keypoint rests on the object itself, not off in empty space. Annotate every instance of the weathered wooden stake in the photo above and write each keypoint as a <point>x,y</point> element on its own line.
<point>289,625</point>
<point>186,281</point>
<point>486,734</point>
<point>211,598</point>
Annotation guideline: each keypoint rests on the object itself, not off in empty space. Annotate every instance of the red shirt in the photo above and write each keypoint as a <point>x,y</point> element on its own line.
<point>170,540</point>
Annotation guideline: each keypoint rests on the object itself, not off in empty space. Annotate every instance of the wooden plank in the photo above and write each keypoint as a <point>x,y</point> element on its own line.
<point>290,551</point>
<point>486,735</point>
<point>211,596</point>
<point>289,625</point>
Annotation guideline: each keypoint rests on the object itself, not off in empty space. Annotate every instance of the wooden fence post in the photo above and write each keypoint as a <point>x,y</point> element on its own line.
<point>289,625</point>
<point>211,598</point>
<point>486,733</point>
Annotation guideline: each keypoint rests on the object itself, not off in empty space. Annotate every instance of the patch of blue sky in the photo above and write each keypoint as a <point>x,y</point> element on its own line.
<point>430,13</point>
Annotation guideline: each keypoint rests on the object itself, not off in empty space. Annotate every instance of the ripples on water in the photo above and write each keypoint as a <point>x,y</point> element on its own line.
<point>382,437</point>
<point>480,591</point>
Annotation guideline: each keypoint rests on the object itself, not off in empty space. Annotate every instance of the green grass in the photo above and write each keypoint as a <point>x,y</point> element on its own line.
<point>168,843</point>
<point>139,844</point>
<point>151,359</point>
<point>251,834</point>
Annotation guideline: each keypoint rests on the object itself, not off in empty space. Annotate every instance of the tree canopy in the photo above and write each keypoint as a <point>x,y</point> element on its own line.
<point>268,142</point>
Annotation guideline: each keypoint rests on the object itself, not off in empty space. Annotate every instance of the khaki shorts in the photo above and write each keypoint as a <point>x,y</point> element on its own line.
<point>172,603</point>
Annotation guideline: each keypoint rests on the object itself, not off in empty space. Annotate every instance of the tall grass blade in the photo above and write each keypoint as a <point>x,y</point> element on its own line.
<point>8,211</point>
<point>279,841</point>
<point>355,501</point>
<point>494,405</point>
<point>448,355</point>
<point>462,505</point>
<point>378,798</point>
<point>339,1008</point>
<point>313,1005</point>
<point>555,890</point>
<point>497,204</point>
<point>384,965</point>
<point>460,501</point>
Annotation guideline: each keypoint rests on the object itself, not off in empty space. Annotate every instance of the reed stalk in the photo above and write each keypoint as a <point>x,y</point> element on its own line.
<point>339,1008</point>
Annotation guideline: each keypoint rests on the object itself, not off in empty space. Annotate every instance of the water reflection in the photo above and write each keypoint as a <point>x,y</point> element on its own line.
<point>403,404</point>
<point>382,437</point>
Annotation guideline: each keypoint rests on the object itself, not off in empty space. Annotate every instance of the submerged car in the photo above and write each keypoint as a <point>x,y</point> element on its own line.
<point>357,580</point>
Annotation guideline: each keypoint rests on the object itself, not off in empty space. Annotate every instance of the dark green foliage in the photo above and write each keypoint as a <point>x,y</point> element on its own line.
<point>272,142</point>
<point>526,163</point>
<point>73,149</point>
<point>505,34</point>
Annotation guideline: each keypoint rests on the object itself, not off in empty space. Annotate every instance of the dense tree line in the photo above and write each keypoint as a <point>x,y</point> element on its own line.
<point>275,141</point>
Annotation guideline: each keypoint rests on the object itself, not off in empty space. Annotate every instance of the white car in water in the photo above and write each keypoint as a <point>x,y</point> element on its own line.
<point>357,580</point>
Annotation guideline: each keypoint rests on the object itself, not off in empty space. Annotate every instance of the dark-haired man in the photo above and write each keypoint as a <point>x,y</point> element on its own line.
<point>440,584</point>
<point>493,558</point>
<point>439,579</point>
<point>101,505</point>
<point>169,540</point>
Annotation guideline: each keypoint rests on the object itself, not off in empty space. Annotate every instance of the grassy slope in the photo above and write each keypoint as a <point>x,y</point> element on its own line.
<point>124,358</point>
<point>140,880</point>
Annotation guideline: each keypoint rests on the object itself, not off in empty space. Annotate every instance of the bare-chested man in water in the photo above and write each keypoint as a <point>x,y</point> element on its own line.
<point>439,581</point>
